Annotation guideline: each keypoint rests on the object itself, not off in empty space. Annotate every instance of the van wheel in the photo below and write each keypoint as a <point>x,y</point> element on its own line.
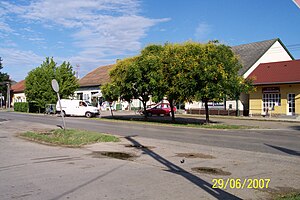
<point>88,114</point>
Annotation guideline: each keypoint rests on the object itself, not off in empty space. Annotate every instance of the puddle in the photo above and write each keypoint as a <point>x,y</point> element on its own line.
<point>208,170</point>
<point>111,154</point>
<point>138,146</point>
<point>194,155</point>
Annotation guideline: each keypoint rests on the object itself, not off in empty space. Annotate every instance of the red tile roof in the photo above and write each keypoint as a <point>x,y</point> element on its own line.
<point>277,72</point>
<point>98,76</point>
<point>18,87</point>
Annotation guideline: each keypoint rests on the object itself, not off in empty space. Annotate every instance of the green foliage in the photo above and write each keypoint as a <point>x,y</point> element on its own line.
<point>3,79</point>
<point>38,82</point>
<point>180,72</point>
<point>135,77</point>
<point>21,106</point>
<point>110,92</point>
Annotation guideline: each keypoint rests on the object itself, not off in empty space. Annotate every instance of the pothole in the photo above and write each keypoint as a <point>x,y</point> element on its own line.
<point>138,146</point>
<point>209,170</point>
<point>194,155</point>
<point>111,154</point>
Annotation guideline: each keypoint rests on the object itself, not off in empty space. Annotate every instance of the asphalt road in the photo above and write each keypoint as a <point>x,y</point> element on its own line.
<point>282,141</point>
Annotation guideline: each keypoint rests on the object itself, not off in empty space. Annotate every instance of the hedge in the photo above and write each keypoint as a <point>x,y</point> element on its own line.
<point>21,106</point>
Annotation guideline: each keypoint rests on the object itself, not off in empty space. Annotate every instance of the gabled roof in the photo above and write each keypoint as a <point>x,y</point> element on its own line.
<point>277,73</point>
<point>18,87</point>
<point>249,54</point>
<point>97,77</point>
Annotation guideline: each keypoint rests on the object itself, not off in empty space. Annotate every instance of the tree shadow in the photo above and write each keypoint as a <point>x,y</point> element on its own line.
<point>297,128</point>
<point>217,193</point>
<point>160,119</point>
<point>285,150</point>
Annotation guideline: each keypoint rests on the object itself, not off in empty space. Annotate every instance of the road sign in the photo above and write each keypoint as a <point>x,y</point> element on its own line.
<point>55,85</point>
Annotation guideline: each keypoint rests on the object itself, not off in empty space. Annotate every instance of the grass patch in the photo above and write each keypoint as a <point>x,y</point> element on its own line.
<point>292,196</point>
<point>69,137</point>
<point>180,122</point>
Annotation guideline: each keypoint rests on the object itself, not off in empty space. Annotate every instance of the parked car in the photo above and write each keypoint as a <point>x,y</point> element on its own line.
<point>76,108</point>
<point>160,109</point>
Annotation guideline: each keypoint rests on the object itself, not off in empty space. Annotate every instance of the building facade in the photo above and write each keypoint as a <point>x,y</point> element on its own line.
<point>277,87</point>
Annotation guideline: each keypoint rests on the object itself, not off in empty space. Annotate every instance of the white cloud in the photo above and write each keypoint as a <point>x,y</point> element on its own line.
<point>18,63</point>
<point>202,31</point>
<point>100,30</point>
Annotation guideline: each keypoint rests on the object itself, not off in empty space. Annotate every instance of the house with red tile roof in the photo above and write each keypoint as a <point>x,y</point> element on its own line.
<point>277,89</point>
<point>18,92</point>
<point>89,85</point>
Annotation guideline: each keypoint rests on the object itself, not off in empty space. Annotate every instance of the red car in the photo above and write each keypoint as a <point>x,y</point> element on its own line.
<point>160,109</point>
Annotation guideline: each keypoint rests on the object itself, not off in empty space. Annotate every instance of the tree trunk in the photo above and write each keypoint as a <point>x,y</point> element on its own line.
<point>145,109</point>
<point>172,110</point>
<point>111,112</point>
<point>206,111</point>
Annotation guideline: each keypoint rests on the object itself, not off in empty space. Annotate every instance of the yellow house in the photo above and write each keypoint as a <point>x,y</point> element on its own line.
<point>277,89</point>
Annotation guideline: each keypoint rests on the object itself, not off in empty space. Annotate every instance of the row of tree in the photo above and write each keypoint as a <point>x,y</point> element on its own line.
<point>180,72</point>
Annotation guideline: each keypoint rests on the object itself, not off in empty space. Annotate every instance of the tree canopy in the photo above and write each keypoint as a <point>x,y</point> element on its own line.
<point>38,82</point>
<point>180,72</point>
<point>4,78</point>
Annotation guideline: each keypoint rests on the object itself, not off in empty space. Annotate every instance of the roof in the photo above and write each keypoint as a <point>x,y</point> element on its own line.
<point>277,73</point>
<point>18,87</point>
<point>98,76</point>
<point>249,54</point>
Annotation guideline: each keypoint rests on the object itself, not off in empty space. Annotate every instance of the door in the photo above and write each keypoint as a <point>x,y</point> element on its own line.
<point>291,104</point>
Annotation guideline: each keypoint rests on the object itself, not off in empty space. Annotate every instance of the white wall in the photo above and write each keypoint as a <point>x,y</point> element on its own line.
<point>18,97</point>
<point>274,54</point>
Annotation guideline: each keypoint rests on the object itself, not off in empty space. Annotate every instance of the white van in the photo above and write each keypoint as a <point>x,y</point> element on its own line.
<point>77,108</point>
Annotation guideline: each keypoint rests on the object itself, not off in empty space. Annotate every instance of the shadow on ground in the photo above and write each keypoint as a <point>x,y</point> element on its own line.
<point>172,168</point>
<point>285,150</point>
<point>297,128</point>
<point>160,119</point>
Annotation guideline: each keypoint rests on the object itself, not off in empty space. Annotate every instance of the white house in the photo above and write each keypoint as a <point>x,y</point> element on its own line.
<point>18,94</point>
<point>89,85</point>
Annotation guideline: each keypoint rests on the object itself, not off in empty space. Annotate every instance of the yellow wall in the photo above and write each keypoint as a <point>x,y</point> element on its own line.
<point>255,99</point>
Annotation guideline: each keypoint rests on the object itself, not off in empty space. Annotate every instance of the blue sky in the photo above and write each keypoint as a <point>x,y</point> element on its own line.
<point>92,33</point>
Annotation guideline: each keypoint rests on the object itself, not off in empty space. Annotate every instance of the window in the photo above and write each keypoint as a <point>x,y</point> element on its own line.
<point>270,100</point>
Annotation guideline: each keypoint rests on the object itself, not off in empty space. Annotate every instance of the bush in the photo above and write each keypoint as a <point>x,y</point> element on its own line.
<point>21,106</point>
<point>34,108</point>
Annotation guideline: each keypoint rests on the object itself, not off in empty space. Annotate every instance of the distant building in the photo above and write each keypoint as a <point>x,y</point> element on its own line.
<point>89,85</point>
<point>277,89</point>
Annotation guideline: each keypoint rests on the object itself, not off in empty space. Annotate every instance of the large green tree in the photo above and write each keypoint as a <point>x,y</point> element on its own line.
<point>4,79</point>
<point>215,75</point>
<point>137,77</point>
<point>38,82</point>
<point>176,62</point>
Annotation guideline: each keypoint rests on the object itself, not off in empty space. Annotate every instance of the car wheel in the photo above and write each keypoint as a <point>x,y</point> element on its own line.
<point>149,114</point>
<point>88,114</point>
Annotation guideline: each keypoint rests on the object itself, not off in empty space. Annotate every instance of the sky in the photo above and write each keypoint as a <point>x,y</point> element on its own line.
<point>93,33</point>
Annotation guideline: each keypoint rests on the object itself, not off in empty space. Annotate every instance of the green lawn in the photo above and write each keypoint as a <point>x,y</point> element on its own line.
<point>293,196</point>
<point>69,137</point>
